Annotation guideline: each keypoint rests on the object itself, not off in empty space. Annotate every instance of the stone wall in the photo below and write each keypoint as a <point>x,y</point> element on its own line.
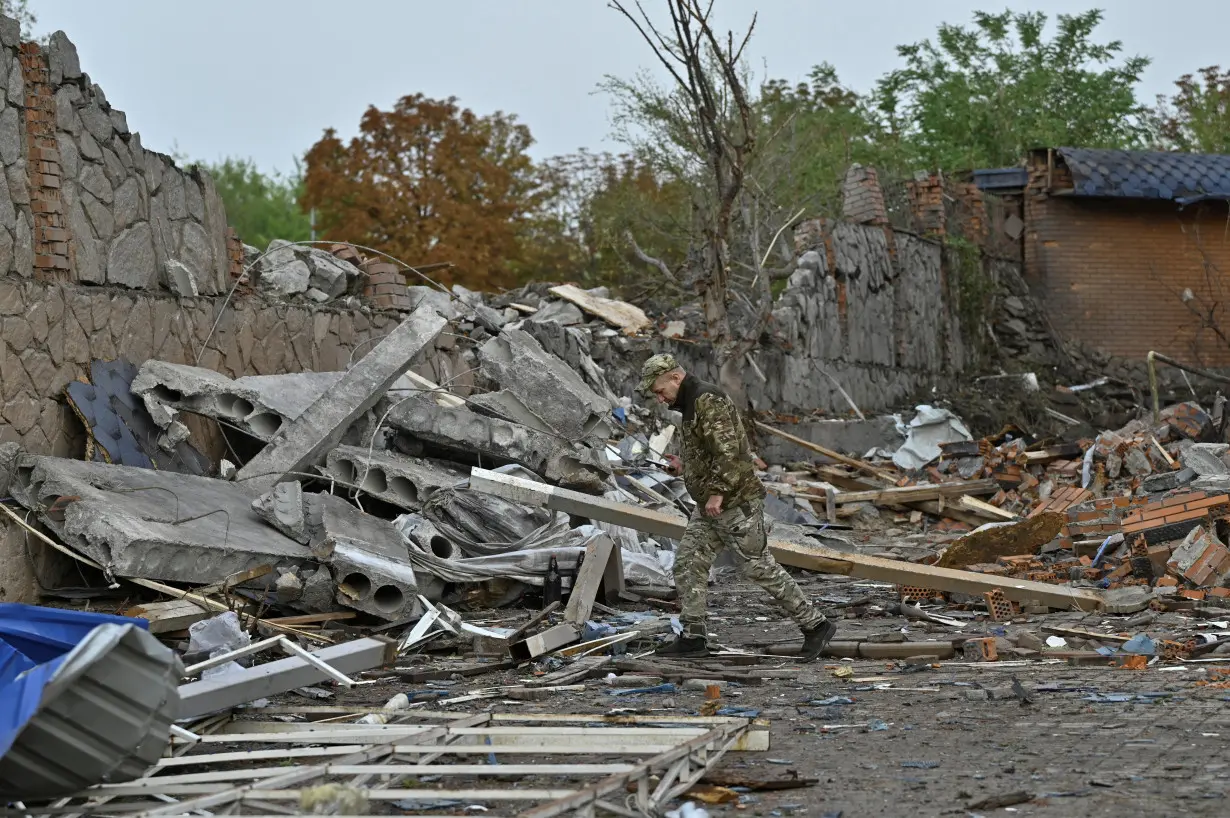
<point>50,331</point>
<point>80,198</point>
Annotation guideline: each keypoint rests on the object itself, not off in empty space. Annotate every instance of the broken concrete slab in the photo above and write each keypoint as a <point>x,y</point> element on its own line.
<point>1205,459</point>
<point>166,388</point>
<point>283,509</point>
<point>438,300</point>
<point>298,446</point>
<point>153,524</point>
<point>564,313</point>
<point>545,385</point>
<point>507,406</point>
<point>368,557</point>
<point>1167,480</point>
<point>406,482</point>
<point>329,274</point>
<point>474,436</point>
<point>373,583</point>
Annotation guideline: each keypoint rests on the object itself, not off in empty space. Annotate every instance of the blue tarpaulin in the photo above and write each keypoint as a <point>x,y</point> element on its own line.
<point>33,644</point>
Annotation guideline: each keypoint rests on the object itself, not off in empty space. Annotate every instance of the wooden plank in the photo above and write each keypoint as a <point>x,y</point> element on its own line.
<point>415,675</point>
<point>628,317</point>
<point>168,616</point>
<point>861,465</point>
<point>1082,634</point>
<point>813,558</point>
<point>311,619</point>
<point>585,588</point>
<point>850,483</point>
<point>904,494</point>
<point>979,507</point>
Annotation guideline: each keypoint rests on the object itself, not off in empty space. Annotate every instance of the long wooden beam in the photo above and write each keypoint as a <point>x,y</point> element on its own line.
<point>812,558</point>
<point>861,465</point>
<point>906,494</point>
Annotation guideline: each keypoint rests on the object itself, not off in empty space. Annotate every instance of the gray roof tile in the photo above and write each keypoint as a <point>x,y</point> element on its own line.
<point>1147,174</point>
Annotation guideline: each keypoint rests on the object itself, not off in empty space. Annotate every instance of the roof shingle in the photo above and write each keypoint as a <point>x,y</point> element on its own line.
<point>1148,174</point>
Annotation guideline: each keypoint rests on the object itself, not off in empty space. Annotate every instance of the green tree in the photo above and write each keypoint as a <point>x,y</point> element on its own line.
<point>816,130</point>
<point>982,96</point>
<point>1197,117</point>
<point>261,207</point>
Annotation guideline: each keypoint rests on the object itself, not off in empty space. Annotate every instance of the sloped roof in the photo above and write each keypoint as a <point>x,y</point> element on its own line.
<point>1182,177</point>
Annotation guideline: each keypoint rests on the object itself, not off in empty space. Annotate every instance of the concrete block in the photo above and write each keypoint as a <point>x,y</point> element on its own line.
<point>545,385</point>
<point>297,447</point>
<point>373,583</point>
<point>499,441</point>
<point>403,481</point>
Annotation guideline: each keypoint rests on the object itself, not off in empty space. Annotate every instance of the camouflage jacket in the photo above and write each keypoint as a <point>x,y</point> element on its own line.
<point>717,458</point>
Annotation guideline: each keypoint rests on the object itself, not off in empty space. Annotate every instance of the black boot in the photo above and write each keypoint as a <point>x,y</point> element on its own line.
<point>684,647</point>
<point>815,640</point>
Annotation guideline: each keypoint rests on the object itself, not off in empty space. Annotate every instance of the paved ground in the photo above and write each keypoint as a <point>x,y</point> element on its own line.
<point>936,742</point>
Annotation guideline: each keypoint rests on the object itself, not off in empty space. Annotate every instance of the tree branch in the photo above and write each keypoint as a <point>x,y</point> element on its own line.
<point>648,259</point>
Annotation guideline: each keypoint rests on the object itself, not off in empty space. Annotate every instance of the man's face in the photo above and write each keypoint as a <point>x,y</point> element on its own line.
<point>666,387</point>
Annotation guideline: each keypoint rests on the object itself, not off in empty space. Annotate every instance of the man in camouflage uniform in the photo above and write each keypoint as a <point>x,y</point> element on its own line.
<point>718,471</point>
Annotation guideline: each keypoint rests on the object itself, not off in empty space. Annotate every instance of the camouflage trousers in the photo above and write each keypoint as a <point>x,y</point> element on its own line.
<point>742,530</point>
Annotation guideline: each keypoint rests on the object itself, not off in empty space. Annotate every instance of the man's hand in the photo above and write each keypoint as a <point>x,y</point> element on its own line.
<point>674,466</point>
<point>714,507</point>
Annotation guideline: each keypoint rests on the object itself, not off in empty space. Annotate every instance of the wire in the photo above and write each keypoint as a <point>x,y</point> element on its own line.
<point>243,275</point>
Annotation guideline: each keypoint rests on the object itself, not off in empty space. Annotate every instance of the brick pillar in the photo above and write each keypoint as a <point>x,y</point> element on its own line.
<point>51,235</point>
<point>234,254</point>
<point>385,286</point>
<point>862,198</point>
<point>973,212</point>
<point>926,192</point>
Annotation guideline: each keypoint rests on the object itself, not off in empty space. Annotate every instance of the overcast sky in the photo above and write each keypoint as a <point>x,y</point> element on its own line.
<point>264,78</point>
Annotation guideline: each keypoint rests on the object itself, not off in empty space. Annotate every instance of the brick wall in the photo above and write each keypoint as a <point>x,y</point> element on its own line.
<point>1111,272</point>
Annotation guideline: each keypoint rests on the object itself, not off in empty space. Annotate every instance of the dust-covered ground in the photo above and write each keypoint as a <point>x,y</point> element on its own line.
<point>934,741</point>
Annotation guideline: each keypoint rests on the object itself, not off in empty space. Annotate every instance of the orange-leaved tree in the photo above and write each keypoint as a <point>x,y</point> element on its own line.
<point>431,182</point>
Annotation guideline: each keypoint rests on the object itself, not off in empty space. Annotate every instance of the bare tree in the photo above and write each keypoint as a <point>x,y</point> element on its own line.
<point>708,135</point>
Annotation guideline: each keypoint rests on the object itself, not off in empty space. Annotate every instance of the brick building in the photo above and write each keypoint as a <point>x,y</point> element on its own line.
<point>1128,251</point>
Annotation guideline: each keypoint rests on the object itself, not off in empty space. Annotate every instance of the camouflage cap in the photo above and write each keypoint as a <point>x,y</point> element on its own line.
<point>653,368</point>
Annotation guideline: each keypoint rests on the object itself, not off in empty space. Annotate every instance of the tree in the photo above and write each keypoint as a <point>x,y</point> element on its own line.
<point>1196,118</point>
<point>702,133</point>
<point>983,96</point>
<point>428,182</point>
<point>817,129</point>
<point>260,207</point>
<point>597,200</point>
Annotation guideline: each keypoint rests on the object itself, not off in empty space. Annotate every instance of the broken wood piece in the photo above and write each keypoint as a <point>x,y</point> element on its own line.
<point>973,504</point>
<point>169,616</point>
<point>415,675</point>
<point>516,635</point>
<point>914,493</point>
<point>312,619</point>
<point>298,445</point>
<point>849,482</point>
<point>582,668</point>
<point>862,466</point>
<point>1083,634</point>
<point>810,557</point>
<point>544,642</point>
<point>628,317</point>
<point>598,554</point>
